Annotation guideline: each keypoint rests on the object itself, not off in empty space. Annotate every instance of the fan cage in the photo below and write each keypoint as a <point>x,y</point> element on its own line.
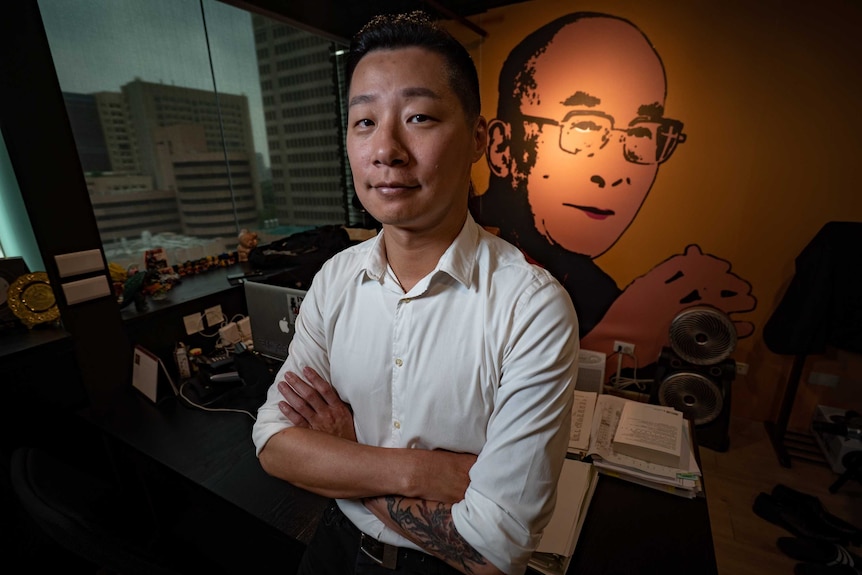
<point>702,335</point>
<point>695,395</point>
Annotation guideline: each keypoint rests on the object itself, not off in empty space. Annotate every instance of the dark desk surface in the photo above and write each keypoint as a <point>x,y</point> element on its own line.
<point>633,529</point>
<point>14,342</point>
<point>214,450</point>
<point>190,289</point>
<point>629,528</point>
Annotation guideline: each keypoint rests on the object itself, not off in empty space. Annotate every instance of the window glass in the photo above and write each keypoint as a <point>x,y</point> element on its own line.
<point>16,234</point>
<point>196,120</point>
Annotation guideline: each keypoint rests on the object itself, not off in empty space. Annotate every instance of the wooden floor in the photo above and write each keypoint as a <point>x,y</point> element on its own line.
<point>745,544</point>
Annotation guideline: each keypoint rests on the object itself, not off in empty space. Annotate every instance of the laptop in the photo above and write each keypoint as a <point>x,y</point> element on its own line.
<point>272,311</point>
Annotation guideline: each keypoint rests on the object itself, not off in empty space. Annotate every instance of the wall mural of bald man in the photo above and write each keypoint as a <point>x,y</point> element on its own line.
<point>577,143</point>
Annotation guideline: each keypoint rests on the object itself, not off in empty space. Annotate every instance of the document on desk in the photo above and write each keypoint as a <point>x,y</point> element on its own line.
<point>684,479</point>
<point>575,490</point>
<point>582,421</point>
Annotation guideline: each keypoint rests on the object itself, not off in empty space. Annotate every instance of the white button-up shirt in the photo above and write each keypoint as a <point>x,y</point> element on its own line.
<point>479,357</point>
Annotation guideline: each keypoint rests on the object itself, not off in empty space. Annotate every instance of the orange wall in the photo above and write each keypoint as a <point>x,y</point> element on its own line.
<point>769,93</point>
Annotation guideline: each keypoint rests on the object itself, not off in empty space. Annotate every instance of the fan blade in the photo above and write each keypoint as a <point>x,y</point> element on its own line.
<point>698,398</point>
<point>702,335</point>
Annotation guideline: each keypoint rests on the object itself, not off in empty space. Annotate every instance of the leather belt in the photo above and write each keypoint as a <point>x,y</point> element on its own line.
<point>381,553</point>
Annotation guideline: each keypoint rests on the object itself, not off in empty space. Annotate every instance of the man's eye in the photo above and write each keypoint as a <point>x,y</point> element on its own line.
<point>641,131</point>
<point>418,118</point>
<point>364,123</point>
<point>585,126</point>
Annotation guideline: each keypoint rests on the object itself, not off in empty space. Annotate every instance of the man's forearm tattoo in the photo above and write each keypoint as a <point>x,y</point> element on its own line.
<point>431,527</point>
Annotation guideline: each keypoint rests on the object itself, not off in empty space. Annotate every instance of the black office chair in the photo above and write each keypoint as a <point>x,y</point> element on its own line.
<point>87,514</point>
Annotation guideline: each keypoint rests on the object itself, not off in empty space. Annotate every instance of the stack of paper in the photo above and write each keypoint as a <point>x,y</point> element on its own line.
<point>582,421</point>
<point>650,432</point>
<point>682,478</point>
<point>574,492</point>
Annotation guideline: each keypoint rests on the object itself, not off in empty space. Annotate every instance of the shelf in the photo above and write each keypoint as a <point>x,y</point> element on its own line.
<point>15,342</point>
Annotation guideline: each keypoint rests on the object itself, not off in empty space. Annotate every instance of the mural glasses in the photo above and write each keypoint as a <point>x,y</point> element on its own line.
<point>644,141</point>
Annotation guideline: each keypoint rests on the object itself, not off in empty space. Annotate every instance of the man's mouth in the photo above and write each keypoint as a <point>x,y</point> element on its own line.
<point>393,187</point>
<point>591,212</point>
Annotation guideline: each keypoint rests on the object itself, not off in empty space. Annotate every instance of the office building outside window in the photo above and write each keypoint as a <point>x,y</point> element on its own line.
<point>194,121</point>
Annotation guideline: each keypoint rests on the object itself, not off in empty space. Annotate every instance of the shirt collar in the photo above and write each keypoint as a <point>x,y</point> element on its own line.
<point>458,260</point>
<point>460,257</point>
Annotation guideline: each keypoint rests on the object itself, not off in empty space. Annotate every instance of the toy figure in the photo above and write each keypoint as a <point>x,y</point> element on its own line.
<point>134,288</point>
<point>247,242</point>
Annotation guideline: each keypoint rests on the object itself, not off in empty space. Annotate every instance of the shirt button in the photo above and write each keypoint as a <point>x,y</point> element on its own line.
<point>398,362</point>
<point>397,424</point>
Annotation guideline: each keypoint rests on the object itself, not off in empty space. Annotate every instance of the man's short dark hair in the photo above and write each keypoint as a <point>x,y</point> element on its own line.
<point>416,29</point>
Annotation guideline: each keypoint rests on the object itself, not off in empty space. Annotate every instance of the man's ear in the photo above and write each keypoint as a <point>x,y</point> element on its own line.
<point>499,148</point>
<point>480,141</point>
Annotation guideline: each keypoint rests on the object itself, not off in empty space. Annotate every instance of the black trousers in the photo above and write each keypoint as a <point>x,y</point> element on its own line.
<point>334,550</point>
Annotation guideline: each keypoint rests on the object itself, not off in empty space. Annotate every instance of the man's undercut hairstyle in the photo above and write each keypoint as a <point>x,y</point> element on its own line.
<point>417,29</point>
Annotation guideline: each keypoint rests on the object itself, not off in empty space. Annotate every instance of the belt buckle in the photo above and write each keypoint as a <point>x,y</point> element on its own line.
<point>384,555</point>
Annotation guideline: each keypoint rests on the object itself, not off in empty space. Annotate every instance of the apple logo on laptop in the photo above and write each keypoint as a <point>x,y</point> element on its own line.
<point>283,325</point>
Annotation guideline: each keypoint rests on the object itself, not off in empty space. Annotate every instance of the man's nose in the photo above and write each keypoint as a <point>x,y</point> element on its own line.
<point>601,182</point>
<point>614,168</point>
<point>389,148</point>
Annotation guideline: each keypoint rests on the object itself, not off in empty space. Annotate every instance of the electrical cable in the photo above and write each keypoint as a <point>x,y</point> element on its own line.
<point>214,409</point>
<point>621,382</point>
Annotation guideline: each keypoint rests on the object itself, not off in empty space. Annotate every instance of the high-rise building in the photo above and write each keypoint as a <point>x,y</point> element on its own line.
<point>117,131</point>
<point>224,117</point>
<point>126,204</point>
<point>87,130</point>
<point>300,89</point>
<point>164,158</point>
<point>215,191</point>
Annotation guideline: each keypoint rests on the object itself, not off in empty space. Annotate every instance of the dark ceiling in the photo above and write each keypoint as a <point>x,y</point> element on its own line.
<point>340,19</point>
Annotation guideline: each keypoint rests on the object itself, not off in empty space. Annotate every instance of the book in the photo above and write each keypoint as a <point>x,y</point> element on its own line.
<point>575,490</point>
<point>683,479</point>
<point>650,432</point>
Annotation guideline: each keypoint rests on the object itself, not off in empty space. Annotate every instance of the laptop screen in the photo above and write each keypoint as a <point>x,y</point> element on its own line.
<point>272,311</point>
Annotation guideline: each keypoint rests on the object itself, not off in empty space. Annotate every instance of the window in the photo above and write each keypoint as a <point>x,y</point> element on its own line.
<point>16,234</point>
<point>175,105</point>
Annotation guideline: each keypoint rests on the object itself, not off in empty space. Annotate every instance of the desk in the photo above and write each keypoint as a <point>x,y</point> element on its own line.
<point>214,450</point>
<point>633,529</point>
<point>629,528</point>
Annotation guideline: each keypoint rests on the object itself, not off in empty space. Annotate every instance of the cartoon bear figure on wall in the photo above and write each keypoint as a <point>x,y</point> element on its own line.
<point>577,143</point>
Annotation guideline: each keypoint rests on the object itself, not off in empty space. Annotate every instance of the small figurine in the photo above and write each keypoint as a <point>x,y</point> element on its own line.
<point>134,288</point>
<point>247,242</point>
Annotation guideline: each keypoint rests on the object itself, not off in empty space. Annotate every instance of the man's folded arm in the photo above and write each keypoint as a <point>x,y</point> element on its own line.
<point>338,468</point>
<point>429,524</point>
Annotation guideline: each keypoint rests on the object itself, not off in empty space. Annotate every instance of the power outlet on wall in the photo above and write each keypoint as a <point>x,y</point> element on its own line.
<point>624,347</point>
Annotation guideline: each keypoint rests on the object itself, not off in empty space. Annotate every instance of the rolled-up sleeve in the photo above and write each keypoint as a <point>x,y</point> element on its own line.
<point>513,483</point>
<point>306,349</point>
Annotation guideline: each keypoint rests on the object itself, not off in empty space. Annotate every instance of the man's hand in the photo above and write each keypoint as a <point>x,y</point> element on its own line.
<point>642,314</point>
<point>313,403</point>
<point>442,476</point>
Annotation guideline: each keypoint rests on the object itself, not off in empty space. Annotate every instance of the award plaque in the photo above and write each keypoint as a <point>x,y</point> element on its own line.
<point>32,300</point>
<point>10,270</point>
